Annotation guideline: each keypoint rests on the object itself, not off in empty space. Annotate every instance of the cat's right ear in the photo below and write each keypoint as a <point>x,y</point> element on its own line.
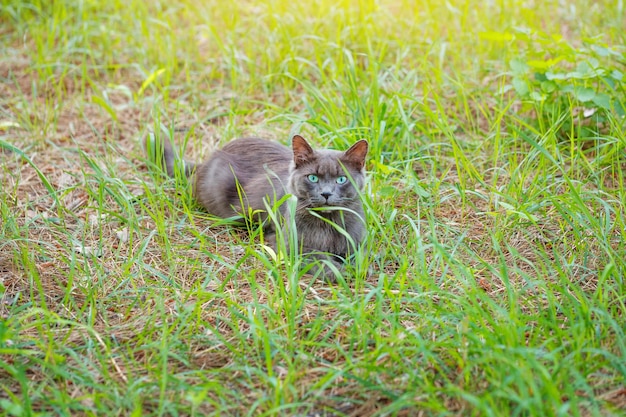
<point>356,154</point>
<point>302,151</point>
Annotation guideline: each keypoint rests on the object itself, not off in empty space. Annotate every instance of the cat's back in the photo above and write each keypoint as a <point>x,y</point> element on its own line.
<point>258,167</point>
<point>253,153</point>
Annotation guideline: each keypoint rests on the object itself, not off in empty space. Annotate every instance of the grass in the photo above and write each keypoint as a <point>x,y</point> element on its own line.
<point>492,280</point>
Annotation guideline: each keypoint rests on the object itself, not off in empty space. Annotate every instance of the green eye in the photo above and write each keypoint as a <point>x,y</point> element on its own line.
<point>313,178</point>
<point>341,180</point>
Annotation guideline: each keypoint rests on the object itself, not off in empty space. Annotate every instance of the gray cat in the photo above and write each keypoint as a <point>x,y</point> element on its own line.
<point>249,175</point>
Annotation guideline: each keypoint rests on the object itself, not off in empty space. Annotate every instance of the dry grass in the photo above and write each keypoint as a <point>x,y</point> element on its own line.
<point>492,281</point>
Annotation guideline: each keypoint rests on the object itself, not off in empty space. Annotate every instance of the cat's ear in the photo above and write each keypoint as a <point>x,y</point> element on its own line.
<point>355,156</point>
<point>302,151</point>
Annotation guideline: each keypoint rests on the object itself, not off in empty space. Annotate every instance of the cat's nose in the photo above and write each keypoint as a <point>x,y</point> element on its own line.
<point>326,195</point>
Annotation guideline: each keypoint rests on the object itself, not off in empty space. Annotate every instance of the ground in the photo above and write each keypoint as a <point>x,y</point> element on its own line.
<point>492,279</point>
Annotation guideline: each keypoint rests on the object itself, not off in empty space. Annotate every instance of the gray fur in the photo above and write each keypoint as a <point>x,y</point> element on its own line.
<point>248,173</point>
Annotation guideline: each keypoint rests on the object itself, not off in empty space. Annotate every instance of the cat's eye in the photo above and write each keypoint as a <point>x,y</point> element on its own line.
<point>341,180</point>
<point>313,178</point>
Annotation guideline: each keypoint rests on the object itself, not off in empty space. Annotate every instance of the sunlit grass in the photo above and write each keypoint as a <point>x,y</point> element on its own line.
<point>492,280</point>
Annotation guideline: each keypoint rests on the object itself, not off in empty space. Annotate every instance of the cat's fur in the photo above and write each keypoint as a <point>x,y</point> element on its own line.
<point>248,174</point>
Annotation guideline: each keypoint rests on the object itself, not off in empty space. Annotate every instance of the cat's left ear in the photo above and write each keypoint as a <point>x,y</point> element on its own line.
<point>355,156</point>
<point>302,151</point>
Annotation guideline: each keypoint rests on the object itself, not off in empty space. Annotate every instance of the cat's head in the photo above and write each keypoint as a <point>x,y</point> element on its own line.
<point>327,177</point>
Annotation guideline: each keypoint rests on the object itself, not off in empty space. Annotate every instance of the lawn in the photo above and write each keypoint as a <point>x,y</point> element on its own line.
<point>492,281</point>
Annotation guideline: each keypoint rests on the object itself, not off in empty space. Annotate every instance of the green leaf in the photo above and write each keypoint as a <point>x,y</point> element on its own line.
<point>588,69</point>
<point>105,105</point>
<point>548,86</point>
<point>584,94</point>
<point>537,96</point>
<point>421,191</point>
<point>520,86</point>
<point>583,68</point>
<point>387,191</point>
<point>545,64</point>
<point>518,67</point>
<point>555,76</point>
<point>11,408</point>
<point>137,412</point>
<point>150,80</point>
<point>576,74</point>
<point>609,81</point>
<point>510,210</point>
<point>603,51</point>
<point>382,168</point>
<point>602,100</point>
<point>600,50</point>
